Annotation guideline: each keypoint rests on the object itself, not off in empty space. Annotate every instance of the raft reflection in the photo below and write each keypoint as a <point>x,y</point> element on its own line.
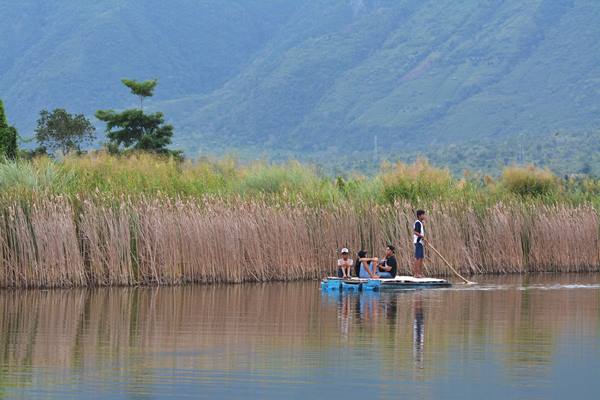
<point>141,340</point>
<point>370,307</point>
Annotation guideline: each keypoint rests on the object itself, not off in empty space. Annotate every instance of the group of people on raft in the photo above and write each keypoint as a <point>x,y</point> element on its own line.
<point>386,267</point>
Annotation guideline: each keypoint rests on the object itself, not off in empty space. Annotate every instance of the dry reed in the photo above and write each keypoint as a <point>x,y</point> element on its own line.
<point>52,243</point>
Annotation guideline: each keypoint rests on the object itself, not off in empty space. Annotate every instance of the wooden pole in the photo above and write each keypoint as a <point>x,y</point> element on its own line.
<point>468,282</point>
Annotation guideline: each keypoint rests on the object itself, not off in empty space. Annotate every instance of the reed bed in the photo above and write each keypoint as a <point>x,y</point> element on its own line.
<point>57,242</point>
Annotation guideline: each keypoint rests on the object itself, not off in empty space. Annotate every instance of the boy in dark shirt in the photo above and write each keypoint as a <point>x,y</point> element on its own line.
<point>388,266</point>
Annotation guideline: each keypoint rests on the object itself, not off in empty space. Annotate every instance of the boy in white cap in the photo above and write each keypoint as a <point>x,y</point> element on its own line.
<point>344,264</point>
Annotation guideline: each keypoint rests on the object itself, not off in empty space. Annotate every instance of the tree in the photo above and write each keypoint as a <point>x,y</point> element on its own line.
<point>8,137</point>
<point>134,129</point>
<point>137,130</point>
<point>141,89</point>
<point>59,130</point>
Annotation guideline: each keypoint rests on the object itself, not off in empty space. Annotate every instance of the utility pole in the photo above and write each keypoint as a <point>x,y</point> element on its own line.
<point>521,137</point>
<point>375,155</point>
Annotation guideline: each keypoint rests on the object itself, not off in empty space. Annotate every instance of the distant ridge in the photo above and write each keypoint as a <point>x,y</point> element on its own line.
<point>318,79</point>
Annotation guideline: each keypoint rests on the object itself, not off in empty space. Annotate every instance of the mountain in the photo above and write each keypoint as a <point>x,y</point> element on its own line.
<point>467,83</point>
<point>70,54</point>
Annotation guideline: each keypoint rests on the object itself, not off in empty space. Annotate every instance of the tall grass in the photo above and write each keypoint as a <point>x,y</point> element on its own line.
<point>529,181</point>
<point>50,242</point>
<point>416,182</point>
<point>142,174</point>
<point>103,220</point>
<point>39,176</point>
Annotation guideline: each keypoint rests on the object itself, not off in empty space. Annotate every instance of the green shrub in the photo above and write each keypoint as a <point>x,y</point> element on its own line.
<point>42,175</point>
<point>529,181</point>
<point>271,179</point>
<point>416,182</point>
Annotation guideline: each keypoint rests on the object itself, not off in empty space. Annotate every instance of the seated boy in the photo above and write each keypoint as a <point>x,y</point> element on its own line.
<point>388,266</point>
<point>344,264</point>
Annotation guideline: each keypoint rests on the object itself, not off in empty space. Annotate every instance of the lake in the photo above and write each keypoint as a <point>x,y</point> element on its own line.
<point>510,337</point>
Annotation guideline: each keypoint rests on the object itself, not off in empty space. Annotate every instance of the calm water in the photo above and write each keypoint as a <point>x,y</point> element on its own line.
<point>516,337</point>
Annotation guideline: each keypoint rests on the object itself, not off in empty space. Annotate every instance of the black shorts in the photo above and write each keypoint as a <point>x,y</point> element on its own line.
<point>419,251</point>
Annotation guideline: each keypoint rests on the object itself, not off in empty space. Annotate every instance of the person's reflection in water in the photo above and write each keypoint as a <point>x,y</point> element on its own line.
<point>418,331</point>
<point>391,310</point>
<point>345,315</point>
<point>343,306</point>
<point>368,306</point>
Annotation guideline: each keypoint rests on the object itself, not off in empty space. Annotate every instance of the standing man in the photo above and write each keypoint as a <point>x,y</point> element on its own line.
<point>419,240</point>
<point>388,266</point>
<point>344,264</point>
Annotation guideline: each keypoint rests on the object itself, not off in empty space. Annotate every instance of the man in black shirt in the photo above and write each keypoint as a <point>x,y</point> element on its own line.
<point>388,266</point>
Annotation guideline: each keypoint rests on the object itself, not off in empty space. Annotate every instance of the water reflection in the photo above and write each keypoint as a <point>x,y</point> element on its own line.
<point>276,340</point>
<point>418,331</point>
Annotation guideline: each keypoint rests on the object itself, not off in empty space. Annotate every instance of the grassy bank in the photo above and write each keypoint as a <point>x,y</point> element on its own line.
<point>100,220</point>
<point>227,179</point>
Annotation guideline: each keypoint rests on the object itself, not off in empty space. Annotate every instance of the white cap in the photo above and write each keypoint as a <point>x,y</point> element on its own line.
<point>344,250</point>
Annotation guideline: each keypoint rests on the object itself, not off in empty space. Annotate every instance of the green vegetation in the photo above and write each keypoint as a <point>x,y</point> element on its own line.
<point>345,85</point>
<point>564,153</point>
<point>416,182</point>
<point>59,130</point>
<point>425,77</point>
<point>475,85</point>
<point>8,137</point>
<point>141,89</point>
<point>530,181</point>
<point>138,174</point>
<point>138,219</point>
<point>42,176</point>
<point>75,57</point>
<point>133,128</point>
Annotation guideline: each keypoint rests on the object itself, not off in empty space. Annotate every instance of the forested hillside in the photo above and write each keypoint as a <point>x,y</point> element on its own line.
<point>469,83</point>
<point>74,54</point>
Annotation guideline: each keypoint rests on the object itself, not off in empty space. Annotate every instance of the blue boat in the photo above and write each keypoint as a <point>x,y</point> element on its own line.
<point>397,283</point>
<point>331,283</point>
<point>353,284</point>
<point>406,282</point>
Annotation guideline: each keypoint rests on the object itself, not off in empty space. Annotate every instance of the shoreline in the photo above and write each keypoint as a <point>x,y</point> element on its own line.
<point>481,278</point>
